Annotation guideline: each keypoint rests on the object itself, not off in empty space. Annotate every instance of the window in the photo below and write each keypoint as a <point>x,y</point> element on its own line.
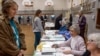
<point>93,4</point>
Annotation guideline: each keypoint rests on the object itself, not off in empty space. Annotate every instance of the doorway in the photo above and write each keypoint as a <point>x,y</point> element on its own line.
<point>98,19</point>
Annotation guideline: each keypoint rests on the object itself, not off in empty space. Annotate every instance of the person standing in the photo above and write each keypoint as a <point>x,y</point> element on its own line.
<point>57,22</point>
<point>45,17</point>
<point>12,41</point>
<point>19,19</point>
<point>70,20</point>
<point>82,24</point>
<point>28,19</point>
<point>43,21</point>
<point>37,27</point>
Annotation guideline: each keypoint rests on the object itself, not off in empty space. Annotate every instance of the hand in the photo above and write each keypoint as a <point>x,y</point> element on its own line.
<point>64,35</point>
<point>42,33</point>
<point>62,48</point>
<point>21,53</point>
<point>55,46</point>
<point>67,52</point>
<point>56,32</point>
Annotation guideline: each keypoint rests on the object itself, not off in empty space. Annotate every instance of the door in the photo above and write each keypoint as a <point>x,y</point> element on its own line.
<point>98,19</point>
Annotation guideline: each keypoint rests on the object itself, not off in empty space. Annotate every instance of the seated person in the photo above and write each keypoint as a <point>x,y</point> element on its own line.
<point>64,24</point>
<point>65,33</point>
<point>93,45</point>
<point>64,28</point>
<point>76,42</point>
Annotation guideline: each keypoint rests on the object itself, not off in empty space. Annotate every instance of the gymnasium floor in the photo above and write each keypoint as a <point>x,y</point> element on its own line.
<point>27,30</point>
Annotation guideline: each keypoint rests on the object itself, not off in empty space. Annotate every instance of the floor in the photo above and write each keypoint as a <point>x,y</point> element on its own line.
<point>29,38</point>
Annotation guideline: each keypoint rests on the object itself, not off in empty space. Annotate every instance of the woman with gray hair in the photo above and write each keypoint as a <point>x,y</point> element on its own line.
<point>93,45</point>
<point>76,42</point>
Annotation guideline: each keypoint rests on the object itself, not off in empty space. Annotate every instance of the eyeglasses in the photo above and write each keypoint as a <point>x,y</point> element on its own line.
<point>91,40</point>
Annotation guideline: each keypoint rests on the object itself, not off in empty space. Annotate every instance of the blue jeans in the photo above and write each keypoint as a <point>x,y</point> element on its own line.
<point>37,39</point>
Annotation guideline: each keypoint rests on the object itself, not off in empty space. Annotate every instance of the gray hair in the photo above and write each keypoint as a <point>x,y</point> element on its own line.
<point>96,38</point>
<point>76,28</point>
<point>81,11</point>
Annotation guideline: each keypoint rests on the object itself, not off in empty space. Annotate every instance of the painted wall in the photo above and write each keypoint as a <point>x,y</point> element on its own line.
<point>39,4</point>
<point>90,21</point>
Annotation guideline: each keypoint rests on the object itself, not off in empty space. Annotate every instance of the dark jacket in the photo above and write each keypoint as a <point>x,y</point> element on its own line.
<point>57,22</point>
<point>87,53</point>
<point>82,22</point>
<point>70,20</point>
<point>82,25</point>
<point>8,46</point>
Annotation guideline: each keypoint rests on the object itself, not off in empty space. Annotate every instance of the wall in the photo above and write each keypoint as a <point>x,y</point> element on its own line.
<point>90,21</point>
<point>68,3</point>
<point>99,4</point>
<point>39,4</point>
<point>75,3</point>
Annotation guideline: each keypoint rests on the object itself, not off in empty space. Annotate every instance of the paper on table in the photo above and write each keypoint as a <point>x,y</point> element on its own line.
<point>49,44</point>
<point>37,54</point>
<point>48,32</point>
<point>61,49</point>
<point>58,36</point>
<point>61,54</point>
<point>48,50</point>
<point>57,39</point>
<point>40,54</point>
<point>48,36</point>
<point>68,55</point>
<point>47,55</point>
<point>40,46</point>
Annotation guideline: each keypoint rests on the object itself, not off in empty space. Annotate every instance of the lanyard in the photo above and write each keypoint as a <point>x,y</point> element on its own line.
<point>15,31</point>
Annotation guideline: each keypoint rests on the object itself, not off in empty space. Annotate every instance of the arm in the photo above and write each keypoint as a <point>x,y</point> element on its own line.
<point>39,24</point>
<point>6,45</point>
<point>82,48</point>
<point>66,43</point>
<point>83,22</point>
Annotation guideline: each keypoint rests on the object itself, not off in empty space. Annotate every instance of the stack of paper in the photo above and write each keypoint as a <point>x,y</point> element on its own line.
<point>48,50</point>
<point>61,54</point>
<point>61,49</point>
<point>58,36</point>
<point>48,32</point>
